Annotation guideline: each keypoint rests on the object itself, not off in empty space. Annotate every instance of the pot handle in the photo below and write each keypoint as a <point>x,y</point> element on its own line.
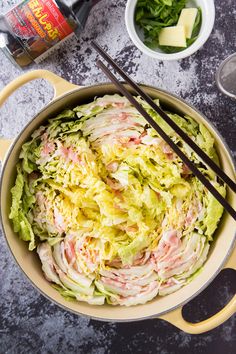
<point>176,318</point>
<point>60,86</point>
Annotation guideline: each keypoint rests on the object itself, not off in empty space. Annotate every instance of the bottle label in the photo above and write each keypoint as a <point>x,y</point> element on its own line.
<point>43,56</point>
<point>39,25</point>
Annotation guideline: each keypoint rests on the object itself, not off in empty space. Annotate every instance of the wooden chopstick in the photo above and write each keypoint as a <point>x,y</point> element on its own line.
<point>170,142</point>
<point>219,172</point>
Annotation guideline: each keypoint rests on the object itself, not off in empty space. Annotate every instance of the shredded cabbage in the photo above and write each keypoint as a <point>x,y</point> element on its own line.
<point>115,215</point>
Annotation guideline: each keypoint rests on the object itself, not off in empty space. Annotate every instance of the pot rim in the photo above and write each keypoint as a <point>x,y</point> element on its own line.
<point>204,286</point>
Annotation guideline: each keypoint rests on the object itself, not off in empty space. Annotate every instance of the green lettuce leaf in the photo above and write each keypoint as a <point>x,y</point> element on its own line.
<point>214,212</point>
<point>26,232</point>
<point>16,193</point>
<point>127,253</point>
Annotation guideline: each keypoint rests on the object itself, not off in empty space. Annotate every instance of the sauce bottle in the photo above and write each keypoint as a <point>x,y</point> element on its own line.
<point>33,28</point>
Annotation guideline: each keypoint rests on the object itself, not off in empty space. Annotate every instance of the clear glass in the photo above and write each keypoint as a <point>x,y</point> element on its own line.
<point>226,76</point>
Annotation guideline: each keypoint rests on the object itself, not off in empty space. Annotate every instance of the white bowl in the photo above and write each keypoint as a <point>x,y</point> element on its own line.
<point>136,34</point>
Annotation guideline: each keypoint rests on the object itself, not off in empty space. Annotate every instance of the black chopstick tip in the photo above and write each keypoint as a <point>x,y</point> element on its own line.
<point>94,44</point>
<point>99,63</point>
<point>97,47</point>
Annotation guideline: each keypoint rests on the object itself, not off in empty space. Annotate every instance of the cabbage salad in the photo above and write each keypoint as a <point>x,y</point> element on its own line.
<point>113,212</point>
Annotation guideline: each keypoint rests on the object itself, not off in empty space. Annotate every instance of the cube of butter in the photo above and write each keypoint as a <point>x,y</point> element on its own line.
<point>187,19</point>
<point>173,36</point>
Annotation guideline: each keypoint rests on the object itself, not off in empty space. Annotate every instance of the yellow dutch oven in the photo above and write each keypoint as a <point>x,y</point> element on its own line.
<point>222,253</point>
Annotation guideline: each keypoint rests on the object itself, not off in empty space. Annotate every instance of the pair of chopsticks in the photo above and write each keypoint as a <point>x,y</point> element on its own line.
<point>219,172</point>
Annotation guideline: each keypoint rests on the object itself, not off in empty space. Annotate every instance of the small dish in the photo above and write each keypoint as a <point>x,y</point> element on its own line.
<point>136,34</point>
